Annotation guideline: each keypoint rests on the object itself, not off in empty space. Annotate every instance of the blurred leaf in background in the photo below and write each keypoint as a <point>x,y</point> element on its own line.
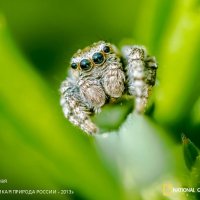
<point>40,149</point>
<point>190,152</point>
<point>136,155</point>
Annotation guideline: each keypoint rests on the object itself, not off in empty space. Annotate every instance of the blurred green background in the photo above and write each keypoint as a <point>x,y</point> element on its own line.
<point>39,149</point>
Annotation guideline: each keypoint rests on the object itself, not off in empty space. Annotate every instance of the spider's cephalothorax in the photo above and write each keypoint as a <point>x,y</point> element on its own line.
<point>97,75</point>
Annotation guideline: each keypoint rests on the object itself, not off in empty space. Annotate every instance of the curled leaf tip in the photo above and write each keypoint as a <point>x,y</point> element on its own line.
<point>185,140</point>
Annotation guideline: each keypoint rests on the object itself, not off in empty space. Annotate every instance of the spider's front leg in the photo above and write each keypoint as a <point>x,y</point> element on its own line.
<point>141,74</point>
<point>74,107</point>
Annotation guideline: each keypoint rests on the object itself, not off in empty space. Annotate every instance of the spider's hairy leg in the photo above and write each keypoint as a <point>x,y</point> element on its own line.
<point>141,74</point>
<point>113,80</point>
<point>74,108</point>
<point>151,68</point>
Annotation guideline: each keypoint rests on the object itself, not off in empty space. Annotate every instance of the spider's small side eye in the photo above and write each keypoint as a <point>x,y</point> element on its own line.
<point>98,58</point>
<point>106,49</point>
<point>85,64</point>
<point>74,66</point>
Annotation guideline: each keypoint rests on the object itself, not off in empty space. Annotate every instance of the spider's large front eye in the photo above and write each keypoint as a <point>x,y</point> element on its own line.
<point>98,58</point>
<point>85,64</point>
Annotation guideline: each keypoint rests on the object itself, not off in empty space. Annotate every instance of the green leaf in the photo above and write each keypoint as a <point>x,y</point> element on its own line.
<point>112,116</point>
<point>179,62</point>
<point>139,151</point>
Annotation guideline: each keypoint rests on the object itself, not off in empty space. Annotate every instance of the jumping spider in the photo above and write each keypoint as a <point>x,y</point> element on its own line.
<point>99,73</point>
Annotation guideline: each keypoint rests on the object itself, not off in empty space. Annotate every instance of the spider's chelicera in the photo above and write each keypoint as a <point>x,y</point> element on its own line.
<point>98,74</point>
